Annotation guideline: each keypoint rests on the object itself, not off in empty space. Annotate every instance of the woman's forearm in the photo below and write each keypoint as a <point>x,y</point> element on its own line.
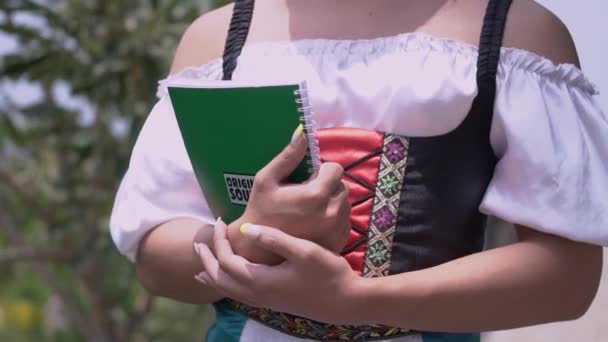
<point>167,262</point>
<point>541,279</point>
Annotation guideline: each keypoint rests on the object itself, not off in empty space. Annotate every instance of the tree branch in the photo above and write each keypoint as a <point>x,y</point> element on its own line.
<point>138,316</point>
<point>22,254</point>
<point>100,305</point>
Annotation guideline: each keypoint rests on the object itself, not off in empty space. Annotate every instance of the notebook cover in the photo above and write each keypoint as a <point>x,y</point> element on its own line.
<point>231,133</point>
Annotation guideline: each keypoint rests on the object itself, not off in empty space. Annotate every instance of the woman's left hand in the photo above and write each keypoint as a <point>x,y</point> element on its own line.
<point>312,282</point>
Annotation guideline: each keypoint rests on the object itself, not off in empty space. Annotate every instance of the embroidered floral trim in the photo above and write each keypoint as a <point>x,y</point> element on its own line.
<point>383,220</point>
<point>306,328</point>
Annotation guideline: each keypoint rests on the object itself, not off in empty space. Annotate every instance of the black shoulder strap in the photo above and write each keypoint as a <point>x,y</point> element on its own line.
<point>237,35</point>
<point>490,43</point>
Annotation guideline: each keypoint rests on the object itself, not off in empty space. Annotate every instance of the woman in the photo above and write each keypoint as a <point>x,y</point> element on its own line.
<point>434,128</point>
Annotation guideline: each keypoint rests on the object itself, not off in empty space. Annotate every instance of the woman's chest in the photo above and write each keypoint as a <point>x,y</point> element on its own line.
<point>395,87</point>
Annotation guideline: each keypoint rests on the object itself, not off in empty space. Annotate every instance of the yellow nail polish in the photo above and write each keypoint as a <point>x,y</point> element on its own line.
<point>243,228</point>
<point>297,133</point>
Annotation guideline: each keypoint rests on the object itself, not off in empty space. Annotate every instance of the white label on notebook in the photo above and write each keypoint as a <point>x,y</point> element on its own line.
<point>239,187</point>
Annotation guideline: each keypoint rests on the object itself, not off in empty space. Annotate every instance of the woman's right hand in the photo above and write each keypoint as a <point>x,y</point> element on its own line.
<point>317,210</point>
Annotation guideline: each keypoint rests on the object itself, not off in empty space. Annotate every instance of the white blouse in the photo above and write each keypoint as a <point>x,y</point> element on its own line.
<point>548,132</point>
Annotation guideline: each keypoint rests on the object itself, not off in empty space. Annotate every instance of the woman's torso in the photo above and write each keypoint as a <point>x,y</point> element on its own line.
<point>414,90</point>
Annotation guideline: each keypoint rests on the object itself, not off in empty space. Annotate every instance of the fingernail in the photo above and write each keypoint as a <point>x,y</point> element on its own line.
<point>220,226</point>
<point>297,134</point>
<point>250,230</point>
<point>196,248</point>
<point>200,278</point>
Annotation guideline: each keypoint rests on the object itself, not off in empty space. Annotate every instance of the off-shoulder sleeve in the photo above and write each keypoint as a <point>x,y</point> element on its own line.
<point>159,184</point>
<point>551,138</point>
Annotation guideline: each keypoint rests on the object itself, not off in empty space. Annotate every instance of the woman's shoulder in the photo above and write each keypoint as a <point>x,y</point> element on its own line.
<point>534,28</point>
<point>203,40</point>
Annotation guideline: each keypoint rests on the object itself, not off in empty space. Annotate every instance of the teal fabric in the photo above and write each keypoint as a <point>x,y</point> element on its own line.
<point>228,324</point>
<point>443,337</point>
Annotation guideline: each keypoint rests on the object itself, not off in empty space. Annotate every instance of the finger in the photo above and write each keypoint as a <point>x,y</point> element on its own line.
<point>283,165</point>
<point>339,198</point>
<point>218,278</point>
<point>229,262</point>
<point>264,278</point>
<point>229,287</point>
<point>338,205</point>
<point>204,278</point>
<point>210,263</point>
<point>289,247</point>
<point>220,241</point>
<point>342,190</point>
<point>234,275</point>
<point>329,178</point>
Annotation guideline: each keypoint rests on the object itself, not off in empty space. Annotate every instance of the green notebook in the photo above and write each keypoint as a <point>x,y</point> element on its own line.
<point>233,130</point>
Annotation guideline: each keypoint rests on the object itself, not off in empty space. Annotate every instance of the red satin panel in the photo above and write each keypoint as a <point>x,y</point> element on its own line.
<point>345,146</point>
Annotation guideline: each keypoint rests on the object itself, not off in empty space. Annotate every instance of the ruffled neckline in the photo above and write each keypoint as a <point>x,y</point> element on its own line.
<point>516,58</point>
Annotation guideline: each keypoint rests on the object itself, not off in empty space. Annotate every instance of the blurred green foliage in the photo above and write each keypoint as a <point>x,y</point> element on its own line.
<point>74,93</point>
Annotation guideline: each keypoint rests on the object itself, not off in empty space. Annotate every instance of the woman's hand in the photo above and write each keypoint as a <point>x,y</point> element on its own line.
<point>317,210</point>
<point>312,282</point>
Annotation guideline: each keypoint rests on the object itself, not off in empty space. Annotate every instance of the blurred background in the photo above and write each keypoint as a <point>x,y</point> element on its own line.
<point>77,79</point>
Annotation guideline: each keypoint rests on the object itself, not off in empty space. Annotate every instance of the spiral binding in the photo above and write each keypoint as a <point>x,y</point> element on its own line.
<point>310,126</point>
